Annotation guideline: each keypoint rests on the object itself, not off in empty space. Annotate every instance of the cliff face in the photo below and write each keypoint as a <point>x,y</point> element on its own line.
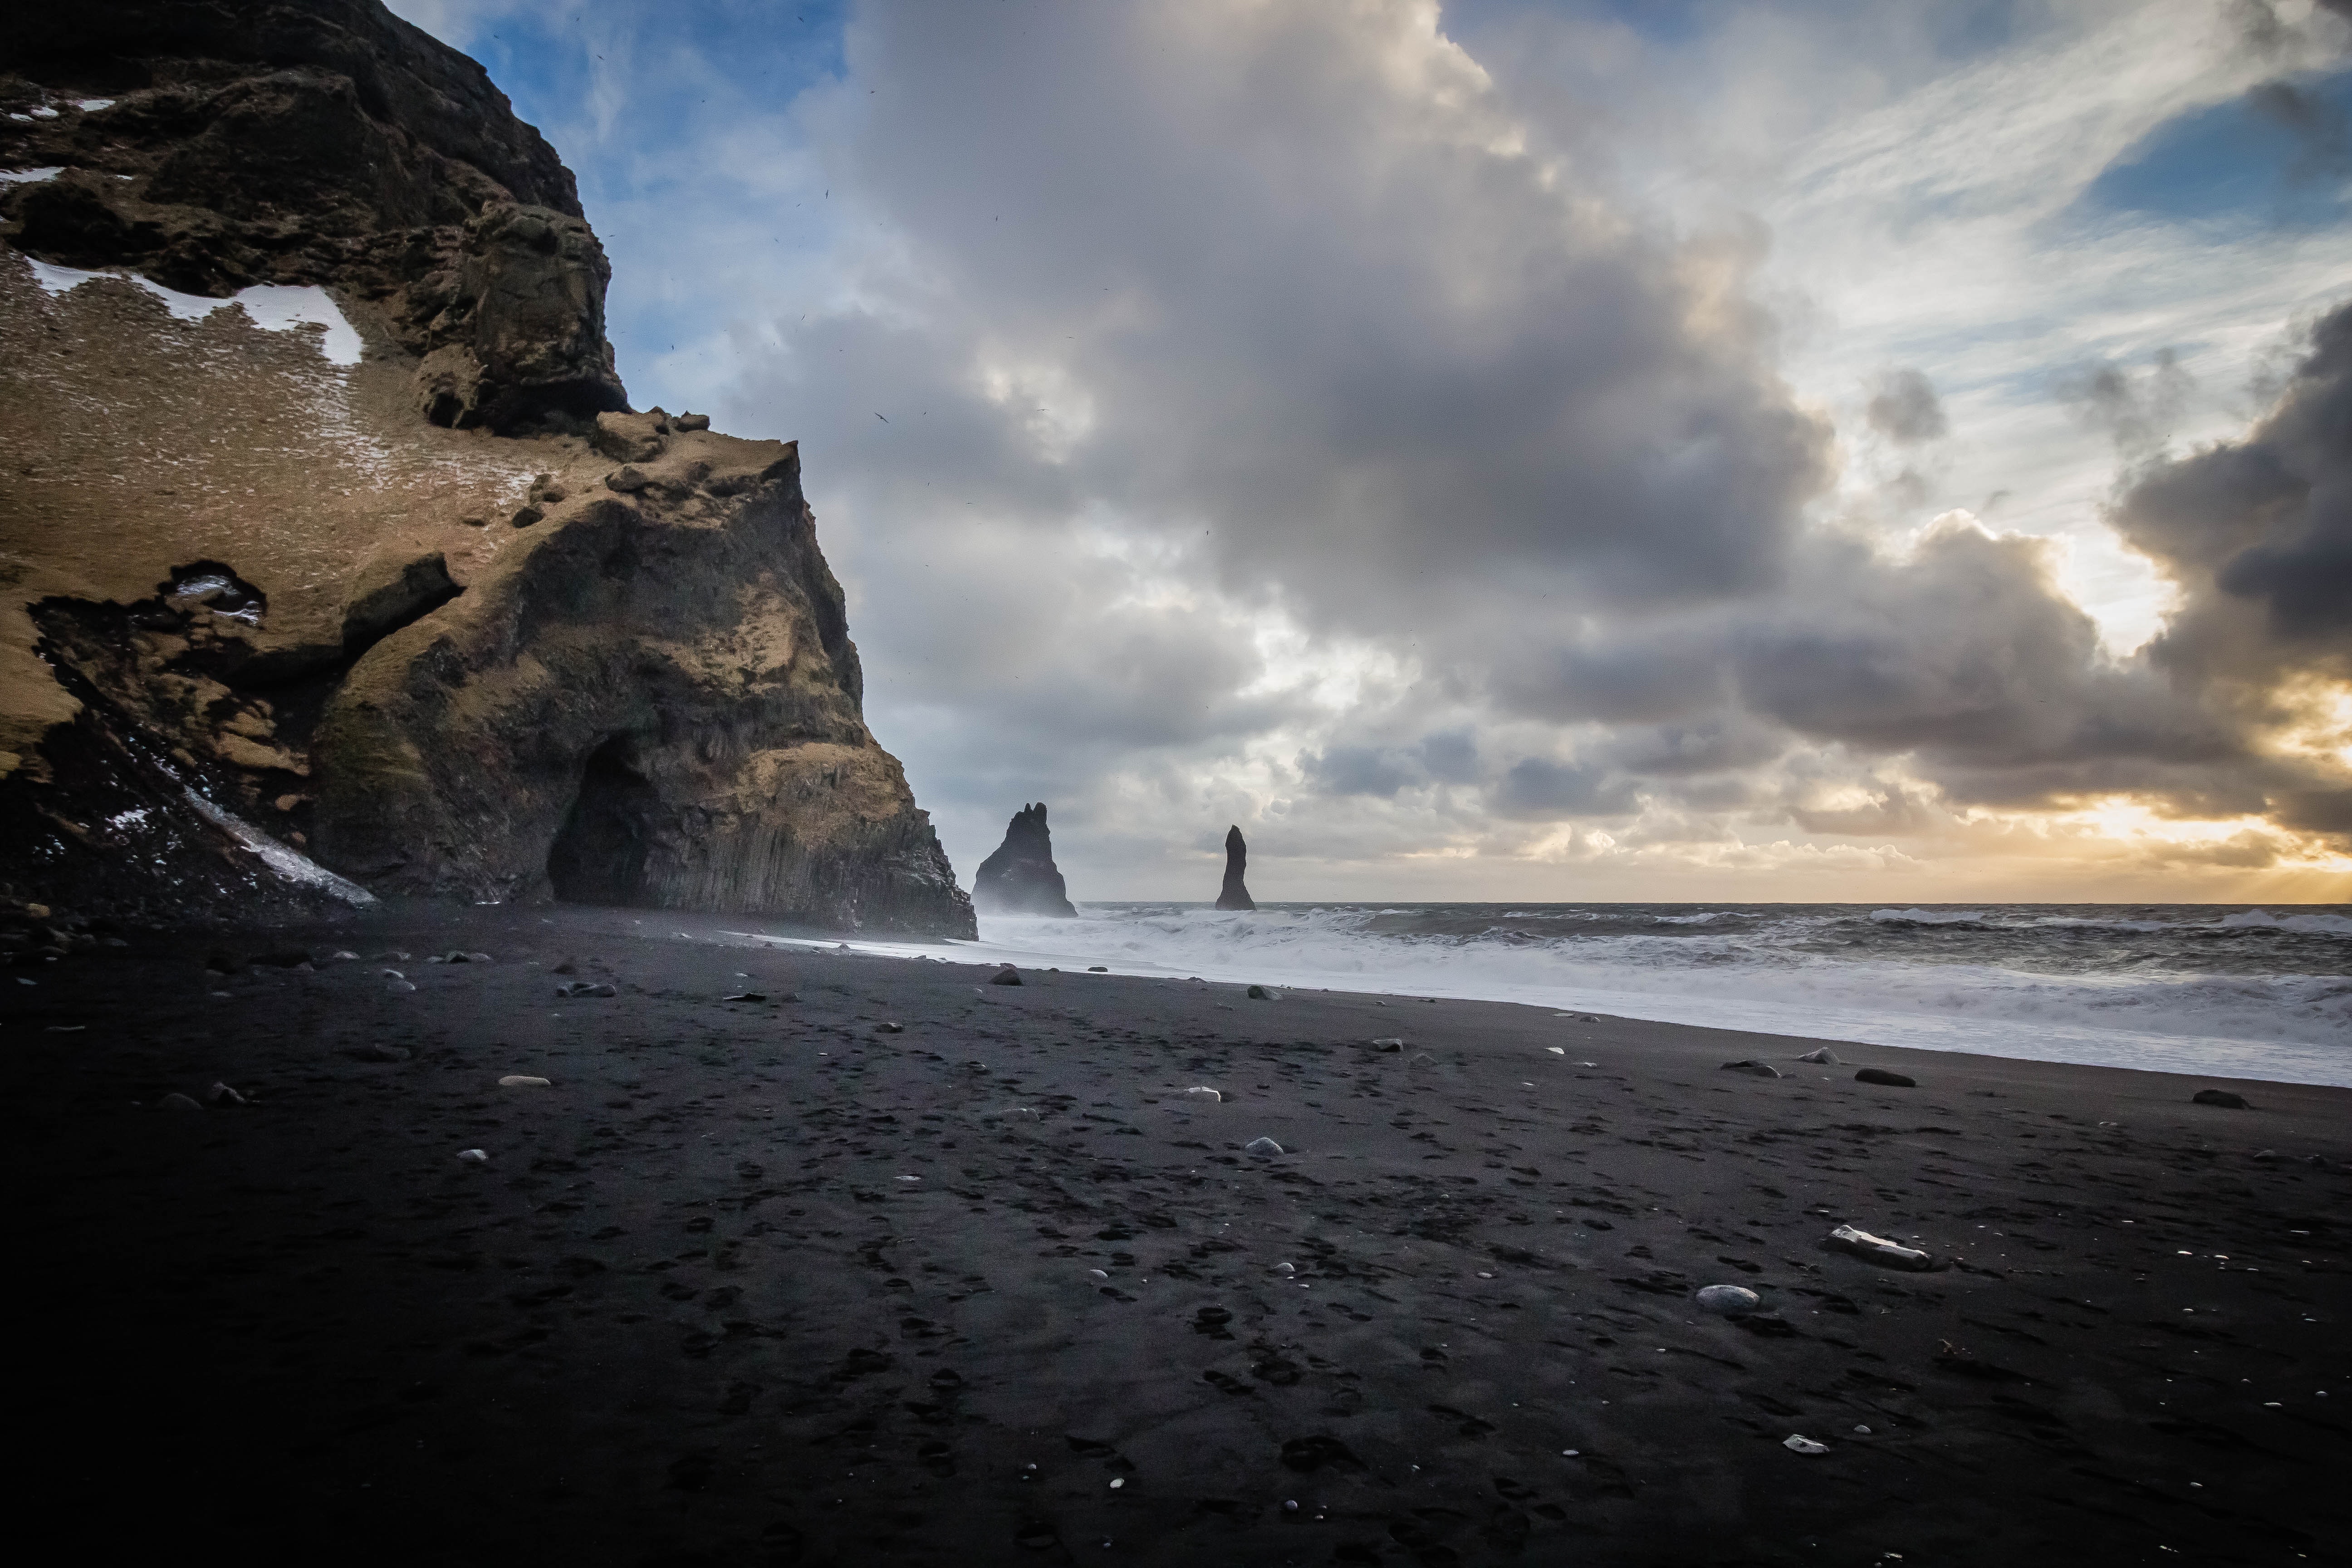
<point>1021,878</point>
<point>443,616</point>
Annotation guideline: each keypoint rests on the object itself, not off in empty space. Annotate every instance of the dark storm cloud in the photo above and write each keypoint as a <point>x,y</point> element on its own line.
<point>1906,410</point>
<point>2258,533</point>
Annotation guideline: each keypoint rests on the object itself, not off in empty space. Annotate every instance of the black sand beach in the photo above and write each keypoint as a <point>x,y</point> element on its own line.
<point>755,1281</point>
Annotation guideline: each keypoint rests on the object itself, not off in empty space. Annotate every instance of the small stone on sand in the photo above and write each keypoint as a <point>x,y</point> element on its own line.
<point>1202,1091</point>
<point>1890,1079</point>
<point>1797,1445</point>
<point>1008,975</point>
<point>1728,1300</point>
<point>1264,1148</point>
<point>522,1080</point>
<point>1822,1057</point>
<point>1753,1068</point>
<point>473,1156</point>
<point>2221,1097</point>
<point>177,1102</point>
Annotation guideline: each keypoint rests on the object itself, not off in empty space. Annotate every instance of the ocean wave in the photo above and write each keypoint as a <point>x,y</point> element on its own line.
<point>2300,925</point>
<point>2118,996</point>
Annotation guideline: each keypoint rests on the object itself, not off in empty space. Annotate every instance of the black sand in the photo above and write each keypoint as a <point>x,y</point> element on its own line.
<point>691,1311</point>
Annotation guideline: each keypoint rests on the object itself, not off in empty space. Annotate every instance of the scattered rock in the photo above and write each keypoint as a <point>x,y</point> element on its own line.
<point>523,1080</point>
<point>566,967</point>
<point>689,422</point>
<point>1260,994</point>
<point>177,1102</point>
<point>221,1094</point>
<point>1021,878</point>
<point>1822,1057</point>
<point>1878,1249</point>
<point>1728,1300</point>
<point>1264,1148</point>
<point>1285,1270</point>
<point>1890,1079</point>
<point>1797,1445</point>
<point>1008,975</point>
<point>342,957</point>
<point>1202,1091</point>
<point>627,438</point>
<point>762,996</point>
<point>2224,1098</point>
<point>628,480</point>
<point>1234,894</point>
<point>587,988</point>
<point>1390,1043</point>
<point>473,1156</point>
<point>1024,1113</point>
<point>400,987</point>
<point>1423,1059</point>
<point>1753,1068</point>
<point>526,515</point>
<point>1098,969</point>
<point>890,1028</point>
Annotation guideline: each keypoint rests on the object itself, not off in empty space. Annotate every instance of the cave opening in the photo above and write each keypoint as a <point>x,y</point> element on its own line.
<point>599,858</point>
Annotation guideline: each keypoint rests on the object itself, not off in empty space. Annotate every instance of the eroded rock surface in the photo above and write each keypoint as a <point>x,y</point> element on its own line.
<point>448,620</point>
<point>1021,878</point>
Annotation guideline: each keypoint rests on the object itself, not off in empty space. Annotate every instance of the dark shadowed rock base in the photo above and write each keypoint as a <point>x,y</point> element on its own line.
<point>1234,894</point>
<point>749,1281</point>
<point>1021,879</point>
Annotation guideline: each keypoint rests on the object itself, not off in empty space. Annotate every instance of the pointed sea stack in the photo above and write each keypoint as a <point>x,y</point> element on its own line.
<point>1235,894</point>
<point>1020,878</point>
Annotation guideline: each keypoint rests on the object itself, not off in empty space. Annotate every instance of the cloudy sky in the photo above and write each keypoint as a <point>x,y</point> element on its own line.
<point>1675,449</point>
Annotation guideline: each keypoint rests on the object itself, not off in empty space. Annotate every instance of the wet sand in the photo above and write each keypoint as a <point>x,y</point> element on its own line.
<point>754,1281</point>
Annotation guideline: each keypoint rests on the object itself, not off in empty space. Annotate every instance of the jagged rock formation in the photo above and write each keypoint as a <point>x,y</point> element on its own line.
<point>448,620</point>
<point>1021,879</point>
<point>318,141</point>
<point>1234,894</point>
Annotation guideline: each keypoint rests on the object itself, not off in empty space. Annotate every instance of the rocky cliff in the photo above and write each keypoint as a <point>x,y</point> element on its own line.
<point>1021,878</point>
<point>328,535</point>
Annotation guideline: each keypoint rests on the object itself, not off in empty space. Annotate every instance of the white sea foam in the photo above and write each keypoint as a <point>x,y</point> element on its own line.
<point>2290,1020</point>
<point>273,307</point>
<point>29,176</point>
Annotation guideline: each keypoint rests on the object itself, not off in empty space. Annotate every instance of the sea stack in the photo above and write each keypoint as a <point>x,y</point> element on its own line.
<point>1235,893</point>
<point>1021,879</point>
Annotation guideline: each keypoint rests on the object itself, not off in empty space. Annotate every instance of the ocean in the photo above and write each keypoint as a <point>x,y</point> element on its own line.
<point>2261,993</point>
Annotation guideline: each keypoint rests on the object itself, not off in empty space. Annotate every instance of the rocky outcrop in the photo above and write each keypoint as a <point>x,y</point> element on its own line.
<point>1021,879</point>
<point>316,141</point>
<point>446,621</point>
<point>1234,894</point>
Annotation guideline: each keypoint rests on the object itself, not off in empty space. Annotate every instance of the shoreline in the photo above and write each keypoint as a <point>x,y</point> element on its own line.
<point>689,1309</point>
<point>2062,1043</point>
